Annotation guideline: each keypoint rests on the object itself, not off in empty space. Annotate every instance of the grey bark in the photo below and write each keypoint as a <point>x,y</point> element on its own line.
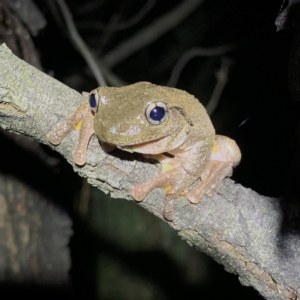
<point>251,235</point>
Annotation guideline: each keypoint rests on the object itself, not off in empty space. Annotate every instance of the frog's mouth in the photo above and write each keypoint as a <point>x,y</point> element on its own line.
<point>161,145</point>
<point>150,147</point>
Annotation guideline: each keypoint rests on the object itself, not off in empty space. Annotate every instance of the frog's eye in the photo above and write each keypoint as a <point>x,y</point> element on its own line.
<point>93,99</point>
<point>157,113</point>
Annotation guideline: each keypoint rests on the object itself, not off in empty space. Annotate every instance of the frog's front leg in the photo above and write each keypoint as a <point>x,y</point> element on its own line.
<point>140,192</point>
<point>178,172</point>
<point>82,119</point>
<point>224,157</point>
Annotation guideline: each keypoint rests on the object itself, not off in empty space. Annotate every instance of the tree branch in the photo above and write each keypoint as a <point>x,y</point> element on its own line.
<point>245,232</point>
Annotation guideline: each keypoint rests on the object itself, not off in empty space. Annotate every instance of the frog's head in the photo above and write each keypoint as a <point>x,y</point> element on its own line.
<point>140,117</point>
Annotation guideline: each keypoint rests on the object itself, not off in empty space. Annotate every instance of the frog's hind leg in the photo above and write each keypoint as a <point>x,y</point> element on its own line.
<point>211,177</point>
<point>224,157</point>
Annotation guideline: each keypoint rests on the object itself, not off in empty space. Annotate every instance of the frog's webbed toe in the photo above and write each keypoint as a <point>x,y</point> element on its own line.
<point>211,177</point>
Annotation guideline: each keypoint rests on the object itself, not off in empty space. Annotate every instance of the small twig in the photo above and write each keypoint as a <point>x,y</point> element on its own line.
<point>122,25</point>
<point>89,7</point>
<point>137,17</point>
<point>107,33</point>
<point>114,23</point>
<point>150,33</point>
<point>56,14</point>
<point>111,77</point>
<point>80,44</point>
<point>222,78</point>
<point>188,55</point>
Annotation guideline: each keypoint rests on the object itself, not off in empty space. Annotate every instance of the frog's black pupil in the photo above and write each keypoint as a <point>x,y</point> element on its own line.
<point>157,113</point>
<point>93,102</point>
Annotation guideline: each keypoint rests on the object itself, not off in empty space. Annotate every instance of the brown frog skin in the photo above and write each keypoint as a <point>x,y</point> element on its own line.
<point>165,124</point>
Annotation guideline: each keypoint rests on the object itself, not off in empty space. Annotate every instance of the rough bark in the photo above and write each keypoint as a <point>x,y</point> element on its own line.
<point>251,235</point>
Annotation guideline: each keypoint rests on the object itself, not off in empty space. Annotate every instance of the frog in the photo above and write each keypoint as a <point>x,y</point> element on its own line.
<point>164,124</point>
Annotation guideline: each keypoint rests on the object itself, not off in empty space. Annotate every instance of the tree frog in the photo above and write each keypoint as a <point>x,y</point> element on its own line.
<point>165,124</point>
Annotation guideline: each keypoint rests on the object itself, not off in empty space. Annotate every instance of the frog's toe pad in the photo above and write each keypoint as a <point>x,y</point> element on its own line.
<point>138,193</point>
<point>168,210</point>
<point>54,137</point>
<point>196,194</point>
<point>211,190</point>
<point>203,188</point>
<point>79,157</point>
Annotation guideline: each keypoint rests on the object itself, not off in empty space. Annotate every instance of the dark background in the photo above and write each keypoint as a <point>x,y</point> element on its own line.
<point>119,251</point>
